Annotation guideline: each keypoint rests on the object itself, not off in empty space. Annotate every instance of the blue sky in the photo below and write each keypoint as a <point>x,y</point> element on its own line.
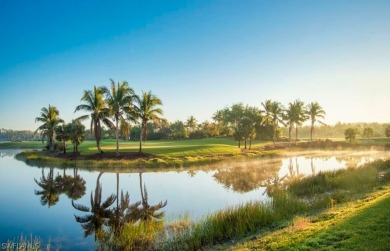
<point>197,56</point>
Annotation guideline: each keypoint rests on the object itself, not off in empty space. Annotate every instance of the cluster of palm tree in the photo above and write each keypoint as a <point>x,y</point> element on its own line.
<point>294,116</point>
<point>117,107</point>
<point>53,127</point>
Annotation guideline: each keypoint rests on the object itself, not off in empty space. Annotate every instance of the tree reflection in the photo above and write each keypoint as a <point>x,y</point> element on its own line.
<point>149,212</point>
<point>50,189</point>
<point>246,178</point>
<point>100,211</point>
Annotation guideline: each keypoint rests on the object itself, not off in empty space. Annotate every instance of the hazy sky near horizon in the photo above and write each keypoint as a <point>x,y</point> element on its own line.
<point>197,56</point>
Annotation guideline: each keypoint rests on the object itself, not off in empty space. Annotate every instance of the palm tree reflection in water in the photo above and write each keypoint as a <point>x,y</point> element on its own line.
<point>108,223</point>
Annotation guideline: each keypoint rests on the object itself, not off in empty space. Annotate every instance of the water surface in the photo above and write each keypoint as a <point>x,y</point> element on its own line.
<point>38,201</point>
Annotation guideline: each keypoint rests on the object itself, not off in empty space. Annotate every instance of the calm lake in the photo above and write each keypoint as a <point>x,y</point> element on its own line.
<point>38,201</point>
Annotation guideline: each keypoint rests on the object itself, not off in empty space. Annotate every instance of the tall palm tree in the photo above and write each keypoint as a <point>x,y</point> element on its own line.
<point>50,119</point>
<point>267,106</point>
<point>300,116</point>
<point>289,117</point>
<point>277,117</point>
<point>119,100</point>
<point>314,111</point>
<point>100,212</point>
<point>94,103</point>
<point>147,108</point>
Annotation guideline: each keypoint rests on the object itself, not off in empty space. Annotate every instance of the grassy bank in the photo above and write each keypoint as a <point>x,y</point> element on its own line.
<point>177,153</point>
<point>155,154</point>
<point>359,225</point>
<point>312,201</point>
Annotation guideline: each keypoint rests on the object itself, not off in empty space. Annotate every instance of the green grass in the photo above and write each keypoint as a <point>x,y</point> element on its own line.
<point>164,154</point>
<point>22,145</point>
<point>358,225</point>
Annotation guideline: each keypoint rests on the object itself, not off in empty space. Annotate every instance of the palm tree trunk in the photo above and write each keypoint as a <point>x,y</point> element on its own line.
<point>311,132</point>
<point>140,139</point>
<point>64,147</point>
<point>239,143</point>
<point>98,136</point>
<point>245,143</point>
<point>144,131</point>
<point>296,135</point>
<point>289,136</point>
<point>117,136</point>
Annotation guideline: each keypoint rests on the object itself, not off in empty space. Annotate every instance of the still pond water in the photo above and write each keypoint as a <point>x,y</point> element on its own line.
<point>30,206</point>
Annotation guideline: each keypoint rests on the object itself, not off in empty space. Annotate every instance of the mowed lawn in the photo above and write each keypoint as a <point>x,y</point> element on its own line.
<point>187,147</point>
<point>210,146</point>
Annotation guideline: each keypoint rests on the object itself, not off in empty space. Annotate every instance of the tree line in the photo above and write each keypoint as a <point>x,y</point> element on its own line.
<point>117,112</point>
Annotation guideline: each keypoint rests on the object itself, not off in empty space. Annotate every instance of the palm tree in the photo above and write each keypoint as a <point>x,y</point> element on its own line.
<point>191,123</point>
<point>267,106</point>
<point>76,132</point>
<point>62,135</point>
<point>119,100</point>
<point>299,117</point>
<point>49,118</point>
<point>314,111</point>
<point>289,118</point>
<point>100,212</point>
<point>276,116</point>
<point>94,103</point>
<point>147,108</point>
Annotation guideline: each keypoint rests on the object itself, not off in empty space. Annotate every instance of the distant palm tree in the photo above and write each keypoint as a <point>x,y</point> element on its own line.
<point>119,100</point>
<point>289,117</point>
<point>76,132</point>
<point>277,117</point>
<point>94,103</point>
<point>50,189</point>
<point>314,111</point>
<point>49,118</point>
<point>147,108</point>
<point>191,123</point>
<point>100,212</point>
<point>299,115</point>
<point>267,106</point>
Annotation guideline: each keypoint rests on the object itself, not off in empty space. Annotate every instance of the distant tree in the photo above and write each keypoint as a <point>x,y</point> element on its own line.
<point>299,116</point>
<point>50,119</point>
<point>387,131</point>
<point>273,111</point>
<point>62,135</point>
<point>246,127</point>
<point>76,132</point>
<point>119,99</point>
<point>314,111</point>
<point>191,123</point>
<point>93,102</point>
<point>350,134</point>
<point>178,130</point>
<point>368,132</point>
